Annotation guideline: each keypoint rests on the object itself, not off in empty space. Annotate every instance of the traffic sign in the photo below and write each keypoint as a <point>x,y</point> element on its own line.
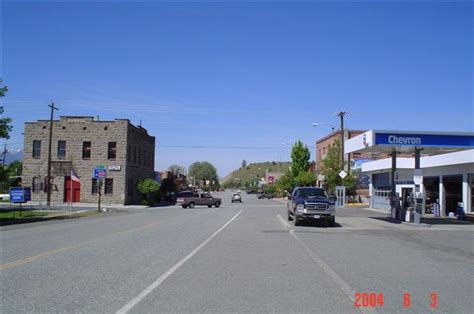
<point>20,195</point>
<point>100,173</point>
<point>342,174</point>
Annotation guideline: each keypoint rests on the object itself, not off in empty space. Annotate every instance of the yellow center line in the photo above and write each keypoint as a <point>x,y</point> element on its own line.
<point>74,246</point>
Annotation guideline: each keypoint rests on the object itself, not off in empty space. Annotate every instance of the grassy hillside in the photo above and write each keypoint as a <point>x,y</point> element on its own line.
<point>255,171</point>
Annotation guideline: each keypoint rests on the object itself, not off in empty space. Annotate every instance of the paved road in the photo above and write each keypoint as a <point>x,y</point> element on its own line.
<point>237,258</point>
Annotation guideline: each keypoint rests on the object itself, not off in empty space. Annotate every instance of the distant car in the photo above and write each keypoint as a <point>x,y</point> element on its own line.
<point>307,203</point>
<point>236,198</point>
<point>262,195</point>
<point>185,194</point>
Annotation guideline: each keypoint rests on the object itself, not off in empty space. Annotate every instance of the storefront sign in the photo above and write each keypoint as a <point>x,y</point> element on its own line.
<point>400,139</point>
<point>418,176</point>
<point>115,168</point>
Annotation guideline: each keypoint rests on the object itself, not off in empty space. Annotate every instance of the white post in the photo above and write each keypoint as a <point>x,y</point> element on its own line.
<point>442,197</point>
<point>465,193</point>
<point>371,191</point>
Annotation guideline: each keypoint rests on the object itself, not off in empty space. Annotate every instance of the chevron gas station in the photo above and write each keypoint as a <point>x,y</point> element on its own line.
<point>437,181</point>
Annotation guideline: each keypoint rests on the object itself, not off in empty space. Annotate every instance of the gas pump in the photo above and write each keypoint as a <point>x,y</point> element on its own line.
<point>418,207</point>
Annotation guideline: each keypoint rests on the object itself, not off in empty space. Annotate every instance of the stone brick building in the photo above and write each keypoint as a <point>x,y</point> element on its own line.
<point>81,144</point>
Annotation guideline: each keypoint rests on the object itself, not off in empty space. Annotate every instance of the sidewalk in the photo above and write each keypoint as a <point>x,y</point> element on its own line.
<point>67,207</point>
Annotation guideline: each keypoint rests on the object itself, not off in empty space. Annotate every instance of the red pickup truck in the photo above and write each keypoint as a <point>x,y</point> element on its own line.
<point>191,199</point>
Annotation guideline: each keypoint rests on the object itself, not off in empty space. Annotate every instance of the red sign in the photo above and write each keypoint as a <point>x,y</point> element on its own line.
<point>270,179</point>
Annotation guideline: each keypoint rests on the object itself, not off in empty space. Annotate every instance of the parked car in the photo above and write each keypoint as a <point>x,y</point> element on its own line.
<point>308,203</point>
<point>202,199</point>
<point>236,197</point>
<point>262,195</point>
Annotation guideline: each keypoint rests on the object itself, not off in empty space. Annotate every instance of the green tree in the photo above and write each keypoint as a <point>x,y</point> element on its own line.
<point>286,182</point>
<point>270,188</point>
<point>148,187</point>
<point>167,186</point>
<point>5,127</point>
<point>300,155</point>
<point>202,171</point>
<point>8,174</point>
<point>305,178</point>
<point>330,168</point>
<point>177,169</point>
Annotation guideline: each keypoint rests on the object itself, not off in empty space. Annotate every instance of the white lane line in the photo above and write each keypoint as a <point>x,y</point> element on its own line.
<point>344,286</point>
<point>285,223</point>
<point>130,305</point>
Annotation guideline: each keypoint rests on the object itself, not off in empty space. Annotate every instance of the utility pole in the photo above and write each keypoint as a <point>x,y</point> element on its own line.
<point>341,115</point>
<point>48,177</point>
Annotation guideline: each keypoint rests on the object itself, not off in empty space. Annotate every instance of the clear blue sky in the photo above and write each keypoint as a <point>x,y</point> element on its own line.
<point>240,74</point>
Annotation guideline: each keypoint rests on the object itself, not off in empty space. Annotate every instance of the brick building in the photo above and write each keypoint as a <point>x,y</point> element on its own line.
<point>352,159</point>
<point>81,144</point>
<point>323,144</point>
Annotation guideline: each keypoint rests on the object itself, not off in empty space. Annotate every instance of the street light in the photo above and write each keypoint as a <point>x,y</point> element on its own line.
<point>315,124</point>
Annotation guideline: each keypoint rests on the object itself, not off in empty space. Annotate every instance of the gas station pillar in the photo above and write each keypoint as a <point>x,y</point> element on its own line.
<point>442,197</point>
<point>393,205</point>
<point>465,193</point>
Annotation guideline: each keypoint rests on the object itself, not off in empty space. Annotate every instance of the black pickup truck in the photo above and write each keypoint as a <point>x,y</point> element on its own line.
<point>307,203</point>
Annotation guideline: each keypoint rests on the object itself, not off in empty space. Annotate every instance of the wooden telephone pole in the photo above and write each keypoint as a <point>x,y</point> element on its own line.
<point>48,176</point>
<point>341,115</point>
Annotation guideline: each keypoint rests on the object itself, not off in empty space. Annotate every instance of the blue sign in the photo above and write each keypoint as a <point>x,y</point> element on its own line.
<point>20,195</point>
<point>100,173</point>
<point>420,140</point>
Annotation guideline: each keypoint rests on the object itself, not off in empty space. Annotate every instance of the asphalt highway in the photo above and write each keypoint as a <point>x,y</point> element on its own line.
<point>236,258</point>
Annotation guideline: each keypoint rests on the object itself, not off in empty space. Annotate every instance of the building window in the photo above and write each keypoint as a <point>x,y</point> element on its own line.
<point>129,153</point>
<point>109,186</point>
<point>36,149</point>
<point>61,149</point>
<point>94,188</point>
<point>139,156</point>
<point>34,185</point>
<point>86,150</point>
<point>112,151</point>
<point>134,154</point>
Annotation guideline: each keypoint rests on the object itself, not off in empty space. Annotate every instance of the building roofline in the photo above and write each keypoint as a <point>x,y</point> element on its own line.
<point>76,117</point>
<point>422,132</point>
<point>337,132</point>
<point>93,120</point>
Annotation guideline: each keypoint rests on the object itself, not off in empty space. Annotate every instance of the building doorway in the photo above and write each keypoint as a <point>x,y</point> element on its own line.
<point>453,187</point>
<point>431,185</point>
<point>76,190</point>
<point>406,198</point>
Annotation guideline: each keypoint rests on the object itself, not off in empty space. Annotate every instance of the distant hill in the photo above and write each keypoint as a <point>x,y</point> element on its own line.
<point>12,155</point>
<point>253,172</point>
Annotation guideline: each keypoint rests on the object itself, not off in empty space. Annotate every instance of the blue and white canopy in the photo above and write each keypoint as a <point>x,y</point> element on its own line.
<point>433,143</point>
